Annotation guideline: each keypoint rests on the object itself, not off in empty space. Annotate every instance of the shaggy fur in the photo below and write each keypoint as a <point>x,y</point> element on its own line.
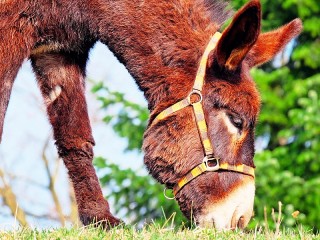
<point>160,43</point>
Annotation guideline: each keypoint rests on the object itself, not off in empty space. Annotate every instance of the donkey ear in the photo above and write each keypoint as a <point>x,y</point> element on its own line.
<point>238,38</point>
<point>270,43</point>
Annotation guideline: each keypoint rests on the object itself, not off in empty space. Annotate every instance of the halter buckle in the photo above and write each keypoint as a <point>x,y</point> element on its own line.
<point>195,92</point>
<point>212,163</point>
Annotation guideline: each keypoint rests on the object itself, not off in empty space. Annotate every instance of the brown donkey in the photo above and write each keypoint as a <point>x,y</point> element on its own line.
<point>200,140</point>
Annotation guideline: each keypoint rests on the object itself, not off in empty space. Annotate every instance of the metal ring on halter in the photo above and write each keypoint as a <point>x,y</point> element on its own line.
<point>212,163</point>
<point>194,92</point>
<point>165,194</point>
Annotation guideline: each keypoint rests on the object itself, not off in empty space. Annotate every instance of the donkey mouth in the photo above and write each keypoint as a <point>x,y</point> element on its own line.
<point>233,211</point>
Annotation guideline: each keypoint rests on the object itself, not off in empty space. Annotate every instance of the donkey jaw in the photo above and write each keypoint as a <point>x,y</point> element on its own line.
<point>232,212</point>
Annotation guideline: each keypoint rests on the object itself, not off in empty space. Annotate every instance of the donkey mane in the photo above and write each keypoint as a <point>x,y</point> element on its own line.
<point>188,29</point>
<point>217,11</point>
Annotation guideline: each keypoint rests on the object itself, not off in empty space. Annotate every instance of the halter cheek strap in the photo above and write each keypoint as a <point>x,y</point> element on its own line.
<point>209,163</point>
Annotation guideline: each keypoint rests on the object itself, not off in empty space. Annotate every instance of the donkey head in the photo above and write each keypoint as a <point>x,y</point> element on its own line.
<point>230,101</point>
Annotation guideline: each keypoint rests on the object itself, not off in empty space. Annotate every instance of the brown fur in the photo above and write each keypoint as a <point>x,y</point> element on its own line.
<point>160,43</point>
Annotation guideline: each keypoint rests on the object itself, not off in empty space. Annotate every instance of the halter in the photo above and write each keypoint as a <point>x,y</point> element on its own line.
<point>209,163</point>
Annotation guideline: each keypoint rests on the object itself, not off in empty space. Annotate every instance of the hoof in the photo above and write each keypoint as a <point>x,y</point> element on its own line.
<point>106,220</point>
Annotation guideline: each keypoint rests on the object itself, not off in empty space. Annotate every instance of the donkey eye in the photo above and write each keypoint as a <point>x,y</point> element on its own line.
<point>236,121</point>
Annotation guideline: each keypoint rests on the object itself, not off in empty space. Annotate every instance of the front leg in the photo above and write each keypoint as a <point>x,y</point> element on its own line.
<point>61,80</point>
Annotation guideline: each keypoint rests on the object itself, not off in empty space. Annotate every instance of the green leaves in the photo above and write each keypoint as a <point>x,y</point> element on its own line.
<point>308,54</point>
<point>288,168</point>
<point>127,119</point>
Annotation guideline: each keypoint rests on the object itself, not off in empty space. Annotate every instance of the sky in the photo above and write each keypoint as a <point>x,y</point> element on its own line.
<point>26,129</point>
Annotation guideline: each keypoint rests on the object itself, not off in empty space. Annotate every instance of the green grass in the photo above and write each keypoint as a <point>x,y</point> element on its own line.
<point>167,231</point>
<point>153,232</point>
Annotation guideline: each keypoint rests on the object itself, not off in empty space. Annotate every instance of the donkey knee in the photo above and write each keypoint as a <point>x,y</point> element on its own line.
<point>78,147</point>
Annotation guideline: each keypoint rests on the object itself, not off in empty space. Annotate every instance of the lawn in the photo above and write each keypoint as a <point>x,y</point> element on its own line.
<point>154,232</point>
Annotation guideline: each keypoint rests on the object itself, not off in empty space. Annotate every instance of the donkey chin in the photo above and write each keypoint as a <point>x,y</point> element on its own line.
<point>233,211</point>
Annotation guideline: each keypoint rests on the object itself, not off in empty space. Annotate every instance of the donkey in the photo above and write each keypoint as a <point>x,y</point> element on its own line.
<point>200,138</point>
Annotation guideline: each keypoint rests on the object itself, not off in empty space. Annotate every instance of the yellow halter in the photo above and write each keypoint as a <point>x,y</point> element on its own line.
<point>209,163</point>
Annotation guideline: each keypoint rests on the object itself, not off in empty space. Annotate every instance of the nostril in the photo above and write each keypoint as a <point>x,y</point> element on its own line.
<point>213,225</point>
<point>241,222</point>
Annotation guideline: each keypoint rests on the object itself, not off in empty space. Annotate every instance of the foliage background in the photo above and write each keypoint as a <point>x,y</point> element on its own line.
<point>288,156</point>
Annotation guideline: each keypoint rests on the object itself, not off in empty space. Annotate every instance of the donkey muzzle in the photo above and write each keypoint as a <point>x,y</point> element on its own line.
<point>233,211</point>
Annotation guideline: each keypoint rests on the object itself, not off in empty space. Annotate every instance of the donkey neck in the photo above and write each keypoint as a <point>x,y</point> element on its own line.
<point>159,42</point>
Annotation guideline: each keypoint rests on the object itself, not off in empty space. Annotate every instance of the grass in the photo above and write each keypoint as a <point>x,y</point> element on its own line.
<point>153,232</point>
<point>165,231</point>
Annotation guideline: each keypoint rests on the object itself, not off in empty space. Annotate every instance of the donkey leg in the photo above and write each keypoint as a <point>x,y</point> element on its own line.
<point>61,80</point>
<point>13,50</point>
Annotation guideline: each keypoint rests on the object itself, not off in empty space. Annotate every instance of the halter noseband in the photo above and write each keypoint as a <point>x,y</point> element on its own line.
<point>209,163</point>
